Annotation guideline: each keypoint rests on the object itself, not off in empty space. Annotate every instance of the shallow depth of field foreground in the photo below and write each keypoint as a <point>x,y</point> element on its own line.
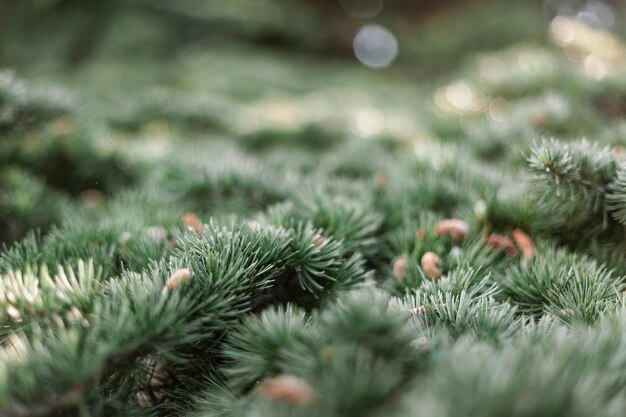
<point>307,208</point>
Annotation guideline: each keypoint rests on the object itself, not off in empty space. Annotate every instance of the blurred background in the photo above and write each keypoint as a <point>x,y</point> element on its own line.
<point>127,56</point>
<point>92,92</point>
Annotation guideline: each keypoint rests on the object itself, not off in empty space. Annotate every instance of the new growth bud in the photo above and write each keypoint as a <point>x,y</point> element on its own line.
<point>500,243</point>
<point>524,243</point>
<point>399,267</point>
<point>318,240</point>
<point>430,264</point>
<point>287,389</point>
<point>380,179</point>
<point>455,228</point>
<point>191,221</point>
<point>177,278</point>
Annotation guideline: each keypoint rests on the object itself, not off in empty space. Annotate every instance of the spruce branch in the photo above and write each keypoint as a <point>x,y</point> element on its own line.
<point>36,295</point>
<point>580,170</point>
<point>616,197</point>
<point>572,285</point>
<point>373,361</point>
<point>578,174</point>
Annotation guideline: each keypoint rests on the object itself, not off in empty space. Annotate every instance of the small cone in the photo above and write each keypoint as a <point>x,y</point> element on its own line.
<point>399,267</point>
<point>177,278</point>
<point>539,120</point>
<point>91,197</point>
<point>62,126</point>
<point>380,179</point>
<point>430,265</point>
<point>191,221</point>
<point>524,243</point>
<point>500,243</point>
<point>455,228</point>
<point>318,240</point>
<point>287,389</point>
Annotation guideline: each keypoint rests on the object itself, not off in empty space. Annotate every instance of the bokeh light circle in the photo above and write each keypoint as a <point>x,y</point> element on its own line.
<point>375,46</point>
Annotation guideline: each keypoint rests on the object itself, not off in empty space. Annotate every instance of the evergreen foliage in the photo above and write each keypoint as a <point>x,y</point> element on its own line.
<point>190,229</point>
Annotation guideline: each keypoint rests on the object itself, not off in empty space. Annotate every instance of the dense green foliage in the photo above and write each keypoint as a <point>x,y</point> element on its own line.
<point>199,221</point>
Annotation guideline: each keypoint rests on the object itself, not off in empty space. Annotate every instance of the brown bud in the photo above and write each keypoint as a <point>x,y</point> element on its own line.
<point>539,120</point>
<point>618,150</point>
<point>399,267</point>
<point>430,265</point>
<point>319,240</point>
<point>380,179</point>
<point>500,243</point>
<point>421,234</point>
<point>62,126</point>
<point>287,389</point>
<point>455,228</point>
<point>91,197</point>
<point>191,221</point>
<point>177,278</point>
<point>525,243</point>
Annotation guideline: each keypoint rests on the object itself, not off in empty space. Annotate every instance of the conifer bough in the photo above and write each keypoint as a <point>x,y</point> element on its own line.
<point>237,277</point>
